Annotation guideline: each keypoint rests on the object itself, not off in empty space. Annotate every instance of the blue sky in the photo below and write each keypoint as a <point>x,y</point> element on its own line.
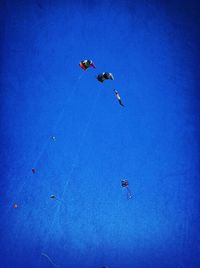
<point>151,47</point>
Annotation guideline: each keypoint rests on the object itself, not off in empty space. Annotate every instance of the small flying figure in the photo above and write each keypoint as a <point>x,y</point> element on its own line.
<point>85,64</point>
<point>33,170</point>
<point>118,97</point>
<point>125,184</point>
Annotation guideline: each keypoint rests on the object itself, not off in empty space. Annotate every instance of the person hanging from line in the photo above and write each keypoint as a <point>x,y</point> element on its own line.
<point>118,97</point>
<point>125,184</point>
<point>85,64</point>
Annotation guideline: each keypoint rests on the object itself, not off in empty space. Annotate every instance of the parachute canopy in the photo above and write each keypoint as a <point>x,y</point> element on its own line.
<point>105,76</point>
<point>124,183</point>
<point>85,64</point>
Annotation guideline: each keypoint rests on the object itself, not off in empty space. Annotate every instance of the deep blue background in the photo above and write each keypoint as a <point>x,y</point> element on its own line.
<point>152,49</point>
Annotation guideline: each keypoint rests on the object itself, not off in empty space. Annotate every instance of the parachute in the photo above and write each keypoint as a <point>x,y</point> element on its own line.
<point>85,64</point>
<point>125,184</point>
<point>105,76</point>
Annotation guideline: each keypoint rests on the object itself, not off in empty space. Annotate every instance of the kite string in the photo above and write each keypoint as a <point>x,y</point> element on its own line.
<point>72,92</point>
<point>76,159</point>
<point>59,118</point>
<point>45,255</point>
<point>81,143</point>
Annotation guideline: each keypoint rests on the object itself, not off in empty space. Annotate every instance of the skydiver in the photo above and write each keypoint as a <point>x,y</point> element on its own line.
<point>125,184</point>
<point>118,97</point>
